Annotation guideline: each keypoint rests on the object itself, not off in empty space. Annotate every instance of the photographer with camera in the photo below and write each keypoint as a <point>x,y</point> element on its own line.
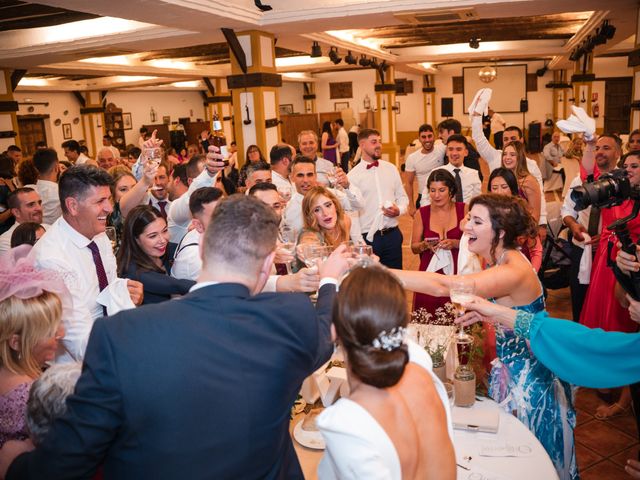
<point>587,220</point>
<point>617,194</point>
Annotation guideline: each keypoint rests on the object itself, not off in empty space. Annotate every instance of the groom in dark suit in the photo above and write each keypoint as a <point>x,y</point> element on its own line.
<point>199,387</point>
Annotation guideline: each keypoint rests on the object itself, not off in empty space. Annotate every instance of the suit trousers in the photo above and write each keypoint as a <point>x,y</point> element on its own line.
<point>388,246</point>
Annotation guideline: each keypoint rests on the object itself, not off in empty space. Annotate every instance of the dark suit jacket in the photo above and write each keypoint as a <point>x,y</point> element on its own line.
<point>158,287</point>
<point>194,388</point>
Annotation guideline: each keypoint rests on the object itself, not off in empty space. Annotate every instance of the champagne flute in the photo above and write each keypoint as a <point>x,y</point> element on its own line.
<point>461,291</point>
<point>111,235</point>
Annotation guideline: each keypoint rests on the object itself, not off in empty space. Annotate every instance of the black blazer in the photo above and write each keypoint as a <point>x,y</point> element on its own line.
<point>158,287</point>
<point>199,387</point>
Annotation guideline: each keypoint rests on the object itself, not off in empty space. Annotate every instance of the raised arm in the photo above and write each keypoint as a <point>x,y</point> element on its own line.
<point>492,156</point>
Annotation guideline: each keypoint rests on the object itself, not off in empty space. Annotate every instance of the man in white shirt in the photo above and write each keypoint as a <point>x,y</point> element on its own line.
<point>187,263</point>
<point>26,206</point>
<point>303,176</point>
<point>77,246</point>
<point>179,216</point>
<point>467,180</point>
<point>46,162</point>
<point>105,158</point>
<point>384,199</point>
<point>108,143</point>
<point>343,141</point>
<point>281,157</point>
<point>493,157</point>
<point>308,145</point>
<point>589,220</point>
<point>73,154</point>
<point>421,162</point>
<point>497,128</point>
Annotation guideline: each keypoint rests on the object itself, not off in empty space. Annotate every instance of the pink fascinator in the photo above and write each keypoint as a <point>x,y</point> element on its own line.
<point>20,277</point>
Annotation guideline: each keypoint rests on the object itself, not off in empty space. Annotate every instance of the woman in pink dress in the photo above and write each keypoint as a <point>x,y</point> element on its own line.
<point>30,329</point>
<point>436,229</point>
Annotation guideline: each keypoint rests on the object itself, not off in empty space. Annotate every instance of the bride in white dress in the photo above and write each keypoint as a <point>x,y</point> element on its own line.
<point>396,423</point>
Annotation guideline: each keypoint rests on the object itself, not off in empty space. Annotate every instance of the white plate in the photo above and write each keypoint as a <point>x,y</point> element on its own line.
<point>307,439</point>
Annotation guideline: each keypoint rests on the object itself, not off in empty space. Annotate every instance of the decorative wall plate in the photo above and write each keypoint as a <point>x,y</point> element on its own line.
<point>57,122</point>
<point>76,121</point>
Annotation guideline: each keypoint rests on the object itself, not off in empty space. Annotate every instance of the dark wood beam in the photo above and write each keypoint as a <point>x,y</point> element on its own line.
<point>210,87</point>
<point>81,100</point>
<point>16,76</point>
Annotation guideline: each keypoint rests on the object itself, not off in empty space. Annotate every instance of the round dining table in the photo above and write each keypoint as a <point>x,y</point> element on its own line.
<point>513,452</point>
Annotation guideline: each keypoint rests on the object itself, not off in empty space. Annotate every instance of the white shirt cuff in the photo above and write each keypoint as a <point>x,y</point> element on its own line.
<point>327,281</point>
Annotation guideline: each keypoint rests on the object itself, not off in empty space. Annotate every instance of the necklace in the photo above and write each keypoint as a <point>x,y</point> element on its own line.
<point>500,258</point>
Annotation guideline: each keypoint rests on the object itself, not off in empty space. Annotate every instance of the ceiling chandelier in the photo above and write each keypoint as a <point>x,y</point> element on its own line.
<point>488,74</point>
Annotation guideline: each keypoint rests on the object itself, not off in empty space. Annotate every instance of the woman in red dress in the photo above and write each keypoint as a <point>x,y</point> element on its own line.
<point>436,228</point>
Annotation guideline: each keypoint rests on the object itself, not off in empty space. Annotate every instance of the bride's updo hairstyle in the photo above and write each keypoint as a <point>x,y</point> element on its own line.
<point>508,214</point>
<point>370,316</point>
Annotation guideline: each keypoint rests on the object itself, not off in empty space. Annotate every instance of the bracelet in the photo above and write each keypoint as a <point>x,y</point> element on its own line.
<point>523,324</point>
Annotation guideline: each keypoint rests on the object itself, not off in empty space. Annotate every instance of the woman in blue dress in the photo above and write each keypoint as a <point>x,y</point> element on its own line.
<point>519,382</point>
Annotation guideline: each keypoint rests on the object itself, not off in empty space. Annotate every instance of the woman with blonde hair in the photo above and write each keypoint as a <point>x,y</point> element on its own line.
<point>324,219</point>
<point>30,329</point>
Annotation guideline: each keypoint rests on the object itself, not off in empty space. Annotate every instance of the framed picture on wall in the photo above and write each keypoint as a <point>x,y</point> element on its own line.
<point>126,121</point>
<point>66,131</point>
<point>339,90</point>
<point>286,109</point>
<point>339,106</point>
<point>166,119</point>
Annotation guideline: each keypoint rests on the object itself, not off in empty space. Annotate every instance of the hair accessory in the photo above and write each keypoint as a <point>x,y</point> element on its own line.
<point>19,276</point>
<point>390,341</point>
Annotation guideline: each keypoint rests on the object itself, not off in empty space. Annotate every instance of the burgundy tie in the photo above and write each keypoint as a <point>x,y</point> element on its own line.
<point>163,210</point>
<point>102,275</point>
<point>281,268</point>
<point>372,164</point>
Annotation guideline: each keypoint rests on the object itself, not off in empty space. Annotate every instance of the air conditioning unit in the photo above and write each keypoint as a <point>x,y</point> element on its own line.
<point>452,15</point>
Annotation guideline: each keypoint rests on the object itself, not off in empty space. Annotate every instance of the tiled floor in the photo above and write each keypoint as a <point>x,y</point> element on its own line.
<point>602,447</point>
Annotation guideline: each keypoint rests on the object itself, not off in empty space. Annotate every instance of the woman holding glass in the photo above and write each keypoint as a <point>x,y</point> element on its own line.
<point>519,382</point>
<point>436,232</point>
<point>143,255</point>
<point>325,222</point>
<point>395,423</point>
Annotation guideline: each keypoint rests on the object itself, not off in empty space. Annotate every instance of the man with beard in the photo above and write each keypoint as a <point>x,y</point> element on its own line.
<point>159,192</point>
<point>421,162</point>
<point>384,199</point>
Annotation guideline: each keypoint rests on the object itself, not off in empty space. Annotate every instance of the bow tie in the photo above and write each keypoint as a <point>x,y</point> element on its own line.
<point>372,164</point>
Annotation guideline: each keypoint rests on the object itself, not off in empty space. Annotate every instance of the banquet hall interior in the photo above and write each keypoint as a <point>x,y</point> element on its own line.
<point>267,70</point>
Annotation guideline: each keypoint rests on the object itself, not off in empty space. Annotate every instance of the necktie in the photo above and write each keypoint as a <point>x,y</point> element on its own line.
<point>102,275</point>
<point>162,204</point>
<point>459,197</point>
<point>372,164</point>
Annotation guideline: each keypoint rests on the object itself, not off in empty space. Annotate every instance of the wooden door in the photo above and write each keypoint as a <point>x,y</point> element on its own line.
<point>616,102</point>
<point>31,131</point>
<point>292,125</point>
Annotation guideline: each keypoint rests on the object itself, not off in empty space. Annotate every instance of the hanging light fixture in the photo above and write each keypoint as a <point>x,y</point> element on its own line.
<point>488,74</point>
<point>316,51</point>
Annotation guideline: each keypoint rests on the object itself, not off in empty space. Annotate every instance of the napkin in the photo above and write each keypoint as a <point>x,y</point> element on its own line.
<point>480,103</point>
<point>441,259</point>
<point>578,122</point>
<point>584,273</point>
<point>115,297</point>
<point>467,262</point>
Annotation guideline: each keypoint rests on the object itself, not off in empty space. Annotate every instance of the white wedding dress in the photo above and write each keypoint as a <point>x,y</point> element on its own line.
<point>357,446</point>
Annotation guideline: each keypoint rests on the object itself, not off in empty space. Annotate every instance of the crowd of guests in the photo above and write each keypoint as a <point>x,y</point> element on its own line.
<point>209,242</point>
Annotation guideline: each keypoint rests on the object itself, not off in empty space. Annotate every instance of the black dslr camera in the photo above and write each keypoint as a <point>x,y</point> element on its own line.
<point>610,190</point>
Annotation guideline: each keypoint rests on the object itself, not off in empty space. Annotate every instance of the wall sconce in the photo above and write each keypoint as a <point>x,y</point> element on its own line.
<point>367,102</point>
<point>559,98</point>
<point>384,104</point>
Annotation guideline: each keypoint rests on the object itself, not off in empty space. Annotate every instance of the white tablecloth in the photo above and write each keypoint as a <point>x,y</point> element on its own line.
<point>511,431</point>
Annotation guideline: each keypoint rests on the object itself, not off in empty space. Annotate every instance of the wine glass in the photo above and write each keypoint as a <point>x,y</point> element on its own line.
<point>152,155</point>
<point>362,253</point>
<point>331,177</point>
<point>289,236</point>
<point>461,291</point>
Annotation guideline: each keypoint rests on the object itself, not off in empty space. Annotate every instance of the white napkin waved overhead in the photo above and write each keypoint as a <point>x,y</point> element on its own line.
<point>578,122</point>
<point>480,103</point>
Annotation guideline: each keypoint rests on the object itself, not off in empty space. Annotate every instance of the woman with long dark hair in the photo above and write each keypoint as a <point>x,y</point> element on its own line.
<point>143,255</point>
<point>329,144</point>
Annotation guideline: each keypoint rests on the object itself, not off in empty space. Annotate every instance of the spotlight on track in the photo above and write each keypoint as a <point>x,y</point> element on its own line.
<point>334,57</point>
<point>316,51</point>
